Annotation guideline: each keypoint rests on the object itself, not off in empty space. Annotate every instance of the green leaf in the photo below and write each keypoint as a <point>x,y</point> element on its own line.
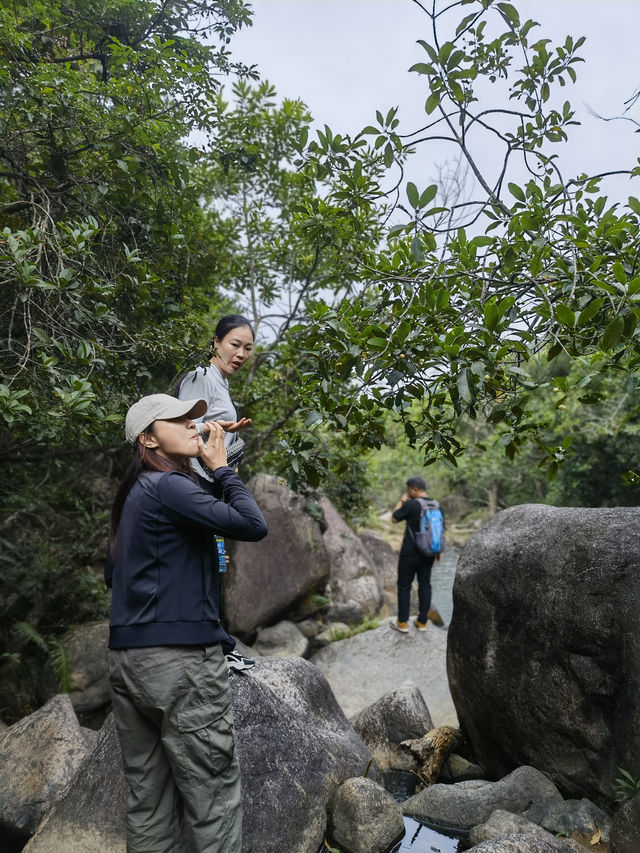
<point>516,191</point>
<point>587,314</point>
<point>432,102</point>
<point>464,387</point>
<point>417,249</point>
<point>564,314</point>
<point>634,204</point>
<point>423,68</point>
<point>312,418</point>
<point>509,13</point>
<point>612,333</point>
<point>490,315</point>
<point>412,194</point>
<point>388,155</point>
<point>619,273</point>
<point>428,195</point>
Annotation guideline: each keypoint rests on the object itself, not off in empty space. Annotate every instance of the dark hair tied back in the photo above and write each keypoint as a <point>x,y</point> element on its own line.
<point>228,323</point>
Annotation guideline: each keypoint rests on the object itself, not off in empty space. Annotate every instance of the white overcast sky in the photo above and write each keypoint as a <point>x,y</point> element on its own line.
<point>347,58</point>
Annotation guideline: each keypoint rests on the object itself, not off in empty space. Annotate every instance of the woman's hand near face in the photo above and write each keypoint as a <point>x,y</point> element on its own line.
<point>235,426</point>
<point>214,452</point>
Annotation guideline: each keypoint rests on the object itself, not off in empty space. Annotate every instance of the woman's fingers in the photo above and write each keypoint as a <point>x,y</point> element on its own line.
<point>231,426</point>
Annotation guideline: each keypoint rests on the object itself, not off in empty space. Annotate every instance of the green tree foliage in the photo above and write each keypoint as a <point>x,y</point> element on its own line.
<point>101,278</point>
<point>277,239</point>
<point>98,212</point>
<point>459,301</point>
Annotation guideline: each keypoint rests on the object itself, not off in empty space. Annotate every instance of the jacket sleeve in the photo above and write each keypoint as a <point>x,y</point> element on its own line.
<point>403,512</point>
<point>187,503</point>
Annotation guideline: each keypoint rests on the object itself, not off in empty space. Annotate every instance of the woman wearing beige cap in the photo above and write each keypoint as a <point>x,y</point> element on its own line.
<point>169,677</point>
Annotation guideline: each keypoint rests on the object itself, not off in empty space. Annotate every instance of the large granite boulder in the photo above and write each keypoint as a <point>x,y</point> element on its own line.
<point>352,574</point>
<point>625,830</point>
<point>87,651</point>
<point>39,755</point>
<point>363,668</point>
<point>544,647</point>
<point>295,748</point>
<point>90,814</point>
<point>267,577</point>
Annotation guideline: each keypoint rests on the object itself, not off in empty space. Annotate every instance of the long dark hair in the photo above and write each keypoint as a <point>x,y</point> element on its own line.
<point>225,325</point>
<point>144,459</point>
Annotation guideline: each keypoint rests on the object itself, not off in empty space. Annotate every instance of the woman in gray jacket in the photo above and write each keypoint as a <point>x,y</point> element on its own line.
<point>168,673</point>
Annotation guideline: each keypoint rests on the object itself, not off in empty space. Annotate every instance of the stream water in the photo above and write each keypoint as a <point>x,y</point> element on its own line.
<point>442,575</point>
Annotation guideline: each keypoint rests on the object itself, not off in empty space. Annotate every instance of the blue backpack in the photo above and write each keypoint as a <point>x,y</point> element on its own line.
<point>430,536</point>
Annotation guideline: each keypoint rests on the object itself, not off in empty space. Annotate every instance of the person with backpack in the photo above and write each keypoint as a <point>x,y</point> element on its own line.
<point>422,545</point>
<point>169,681</point>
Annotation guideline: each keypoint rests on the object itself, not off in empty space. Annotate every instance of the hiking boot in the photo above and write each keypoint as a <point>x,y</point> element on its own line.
<point>403,627</point>
<point>421,626</point>
<point>238,663</point>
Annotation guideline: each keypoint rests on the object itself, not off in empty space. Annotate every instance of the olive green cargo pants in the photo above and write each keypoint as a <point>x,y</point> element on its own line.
<point>172,710</point>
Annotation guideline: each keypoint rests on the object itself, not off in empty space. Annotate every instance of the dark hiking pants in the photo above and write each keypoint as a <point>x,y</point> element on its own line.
<point>409,567</point>
<point>173,715</point>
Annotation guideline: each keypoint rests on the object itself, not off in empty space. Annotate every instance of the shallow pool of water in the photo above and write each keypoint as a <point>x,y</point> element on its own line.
<point>419,838</point>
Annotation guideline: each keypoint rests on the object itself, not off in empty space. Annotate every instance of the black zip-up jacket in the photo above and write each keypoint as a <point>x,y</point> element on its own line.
<point>164,573</point>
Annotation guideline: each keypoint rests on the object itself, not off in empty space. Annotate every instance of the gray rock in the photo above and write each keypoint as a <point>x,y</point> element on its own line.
<point>363,668</point>
<point>569,816</point>
<point>364,818</point>
<point>351,566</point>
<point>458,769</point>
<point>546,609</point>
<point>295,747</point>
<point>383,558</point>
<point>397,716</point>
<point>90,814</point>
<point>309,628</point>
<point>349,612</point>
<point>467,804</point>
<point>365,590</point>
<point>87,651</point>
<point>625,828</point>
<point>525,843</point>
<point>90,738</point>
<point>284,640</point>
<point>266,578</point>
<point>501,824</point>
<point>39,755</point>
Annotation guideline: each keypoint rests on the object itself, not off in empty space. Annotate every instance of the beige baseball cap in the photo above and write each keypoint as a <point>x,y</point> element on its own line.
<point>159,407</point>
